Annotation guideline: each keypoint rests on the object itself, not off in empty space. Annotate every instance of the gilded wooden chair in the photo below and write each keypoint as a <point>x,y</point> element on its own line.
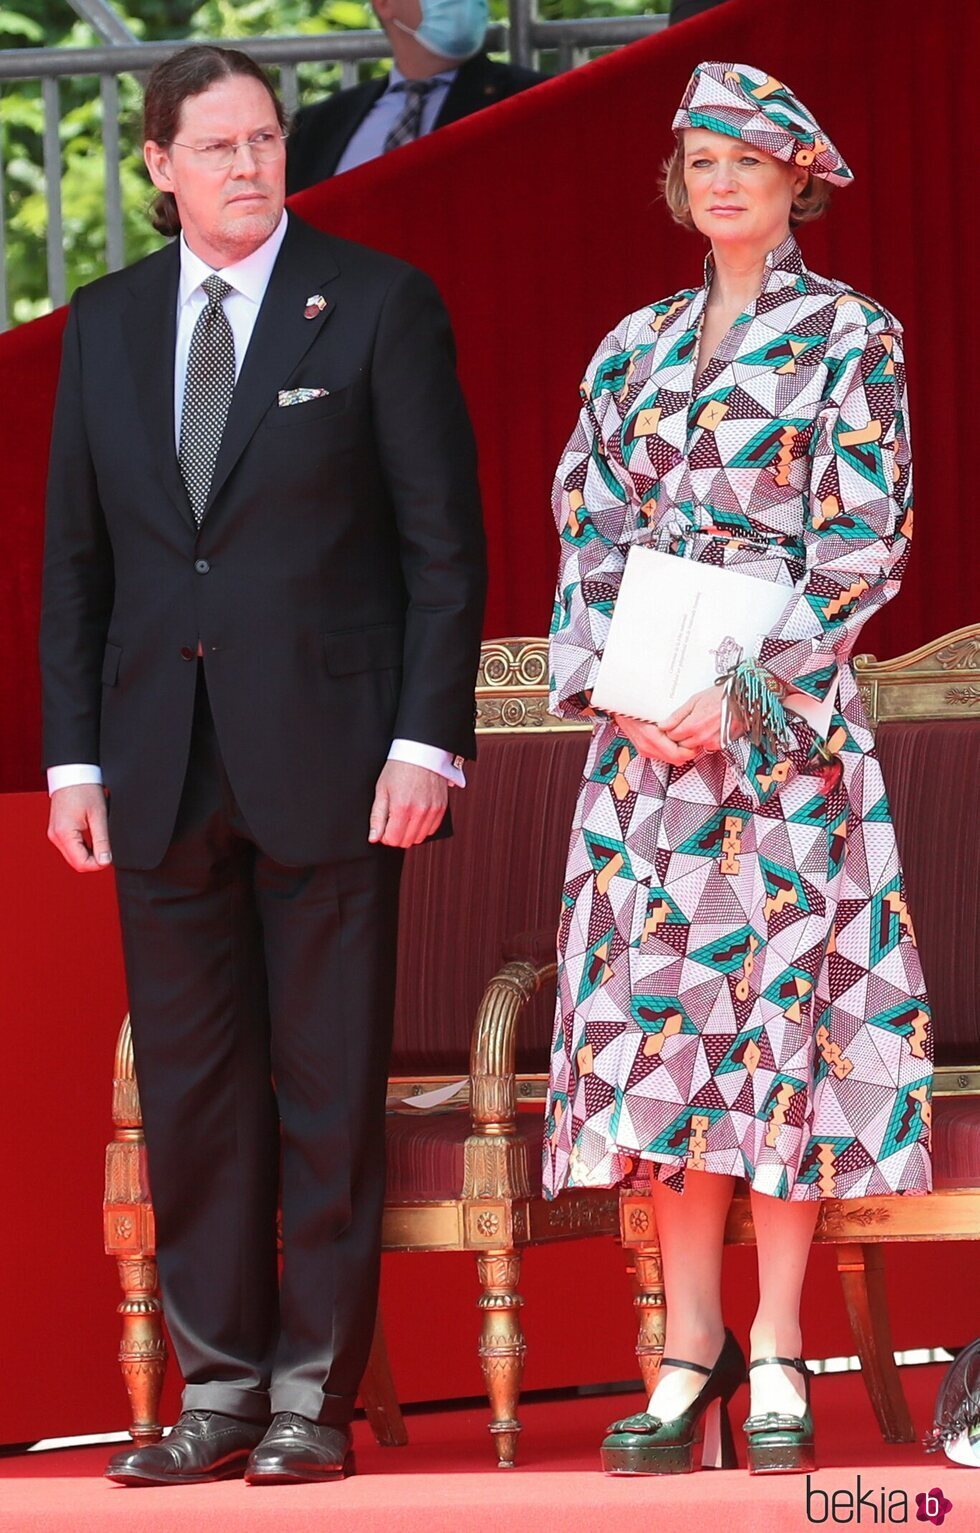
<point>474,1012</point>
<point>925,709</point>
<point>484,907</point>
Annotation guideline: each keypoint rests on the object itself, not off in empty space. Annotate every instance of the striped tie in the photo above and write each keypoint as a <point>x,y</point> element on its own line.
<point>407,127</point>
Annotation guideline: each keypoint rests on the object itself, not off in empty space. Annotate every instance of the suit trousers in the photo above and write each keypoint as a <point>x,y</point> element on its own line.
<point>261,999</point>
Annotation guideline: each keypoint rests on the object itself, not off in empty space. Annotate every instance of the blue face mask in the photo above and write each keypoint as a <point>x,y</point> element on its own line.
<point>454,29</point>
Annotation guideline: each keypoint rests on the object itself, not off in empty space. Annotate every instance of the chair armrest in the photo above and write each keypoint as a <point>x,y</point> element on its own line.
<point>495,1157</point>
<point>493,1100</point>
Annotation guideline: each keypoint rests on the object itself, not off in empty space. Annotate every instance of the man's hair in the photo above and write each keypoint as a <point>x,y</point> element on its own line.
<point>190,72</point>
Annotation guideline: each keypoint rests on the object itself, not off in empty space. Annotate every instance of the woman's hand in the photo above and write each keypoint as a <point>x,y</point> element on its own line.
<point>696,725</point>
<point>651,741</point>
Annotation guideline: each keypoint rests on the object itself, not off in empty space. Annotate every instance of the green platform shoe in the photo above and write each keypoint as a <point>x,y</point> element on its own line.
<point>643,1444</point>
<point>778,1442</point>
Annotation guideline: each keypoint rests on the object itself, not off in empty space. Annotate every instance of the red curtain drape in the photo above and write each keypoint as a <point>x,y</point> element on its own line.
<point>540,221</point>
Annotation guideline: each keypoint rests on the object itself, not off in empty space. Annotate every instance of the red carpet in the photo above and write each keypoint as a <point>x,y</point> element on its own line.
<point>442,1483</point>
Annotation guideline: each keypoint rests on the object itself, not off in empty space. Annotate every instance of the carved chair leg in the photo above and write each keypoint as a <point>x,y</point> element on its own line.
<point>862,1275</point>
<point>651,1310</point>
<point>142,1349</point>
<point>378,1395</point>
<point>502,1347</point>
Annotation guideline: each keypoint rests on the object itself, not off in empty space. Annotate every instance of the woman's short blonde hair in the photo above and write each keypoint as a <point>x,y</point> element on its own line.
<point>808,204</point>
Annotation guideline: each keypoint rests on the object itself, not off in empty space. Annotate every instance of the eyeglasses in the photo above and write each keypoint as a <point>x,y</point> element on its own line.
<point>265,148</point>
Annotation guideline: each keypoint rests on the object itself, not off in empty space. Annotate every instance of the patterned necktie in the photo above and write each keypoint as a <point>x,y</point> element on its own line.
<point>407,127</point>
<point>208,388</point>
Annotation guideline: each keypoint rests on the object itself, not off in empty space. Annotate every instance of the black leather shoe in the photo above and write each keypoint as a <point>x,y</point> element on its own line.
<point>295,1449</point>
<point>204,1445</point>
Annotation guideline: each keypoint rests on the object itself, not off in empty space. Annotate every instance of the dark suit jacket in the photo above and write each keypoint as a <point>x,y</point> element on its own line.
<point>321,132</point>
<point>336,582</point>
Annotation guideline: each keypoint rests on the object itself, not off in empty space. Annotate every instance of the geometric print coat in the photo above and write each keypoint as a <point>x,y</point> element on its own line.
<point>739,985</point>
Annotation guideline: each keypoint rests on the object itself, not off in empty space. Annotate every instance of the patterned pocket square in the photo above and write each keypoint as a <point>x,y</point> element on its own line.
<point>301,396</point>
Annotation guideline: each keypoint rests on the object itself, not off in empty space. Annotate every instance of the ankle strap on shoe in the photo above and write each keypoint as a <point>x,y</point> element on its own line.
<point>787,1362</point>
<point>678,1362</point>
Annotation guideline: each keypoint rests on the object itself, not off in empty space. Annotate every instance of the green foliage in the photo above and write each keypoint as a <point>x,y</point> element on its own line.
<point>52,24</point>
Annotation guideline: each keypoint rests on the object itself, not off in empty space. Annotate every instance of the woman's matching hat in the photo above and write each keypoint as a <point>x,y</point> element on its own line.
<point>747,103</point>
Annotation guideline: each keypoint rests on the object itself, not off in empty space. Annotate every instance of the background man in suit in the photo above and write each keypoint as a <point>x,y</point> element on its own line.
<point>263,565</point>
<point>440,74</point>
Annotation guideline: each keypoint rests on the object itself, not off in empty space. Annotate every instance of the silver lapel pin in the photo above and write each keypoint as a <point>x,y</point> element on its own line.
<point>315,305</point>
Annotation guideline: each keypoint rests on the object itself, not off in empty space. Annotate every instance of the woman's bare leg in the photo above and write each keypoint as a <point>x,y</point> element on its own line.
<point>691,1228</point>
<point>783,1234</point>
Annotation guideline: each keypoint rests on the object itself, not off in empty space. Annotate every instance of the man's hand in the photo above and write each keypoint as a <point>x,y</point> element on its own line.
<point>651,741</point>
<point>696,724</point>
<point>78,826</point>
<point>409,803</point>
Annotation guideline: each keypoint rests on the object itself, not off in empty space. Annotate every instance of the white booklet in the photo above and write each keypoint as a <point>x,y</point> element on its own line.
<point>676,625</point>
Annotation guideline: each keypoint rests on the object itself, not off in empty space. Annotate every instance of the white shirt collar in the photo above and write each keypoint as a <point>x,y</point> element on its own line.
<point>250,276</point>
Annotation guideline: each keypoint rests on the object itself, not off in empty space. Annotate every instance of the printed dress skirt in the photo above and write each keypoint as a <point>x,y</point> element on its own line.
<point>739,988</point>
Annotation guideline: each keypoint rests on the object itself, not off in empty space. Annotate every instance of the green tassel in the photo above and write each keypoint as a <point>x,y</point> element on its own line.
<point>755,697</point>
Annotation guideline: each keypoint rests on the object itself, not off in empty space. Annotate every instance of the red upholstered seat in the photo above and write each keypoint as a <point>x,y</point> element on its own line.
<point>932,771</point>
<point>956,1141</point>
<point>425,1150</point>
<point>491,892</point>
<point>425,1153</point>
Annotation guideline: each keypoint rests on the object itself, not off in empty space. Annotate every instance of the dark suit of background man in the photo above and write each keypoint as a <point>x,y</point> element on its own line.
<point>440,74</point>
<point>235,635</point>
<point>683,10</point>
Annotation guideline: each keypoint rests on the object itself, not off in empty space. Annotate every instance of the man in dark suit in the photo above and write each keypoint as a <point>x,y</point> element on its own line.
<point>439,75</point>
<point>263,592</point>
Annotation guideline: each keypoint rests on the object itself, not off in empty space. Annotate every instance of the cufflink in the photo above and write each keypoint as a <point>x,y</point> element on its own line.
<point>459,762</point>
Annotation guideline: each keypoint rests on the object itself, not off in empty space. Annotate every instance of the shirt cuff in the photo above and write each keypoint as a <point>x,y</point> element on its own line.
<point>430,757</point>
<point>72,776</point>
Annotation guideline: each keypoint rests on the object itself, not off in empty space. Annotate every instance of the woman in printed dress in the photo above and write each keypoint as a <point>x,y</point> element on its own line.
<point>740,993</point>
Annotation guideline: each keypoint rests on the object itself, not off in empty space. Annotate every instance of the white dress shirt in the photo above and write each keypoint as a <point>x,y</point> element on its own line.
<point>249,279</point>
